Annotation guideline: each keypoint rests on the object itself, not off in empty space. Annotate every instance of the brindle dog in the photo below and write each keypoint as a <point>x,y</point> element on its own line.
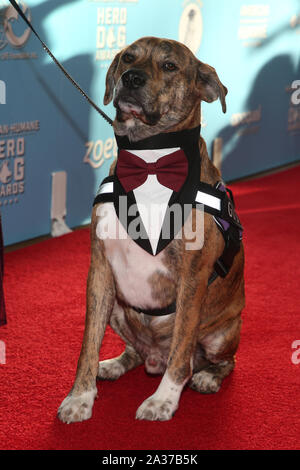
<point>158,86</point>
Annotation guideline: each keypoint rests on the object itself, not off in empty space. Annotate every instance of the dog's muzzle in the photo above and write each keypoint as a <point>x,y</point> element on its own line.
<point>131,98</point>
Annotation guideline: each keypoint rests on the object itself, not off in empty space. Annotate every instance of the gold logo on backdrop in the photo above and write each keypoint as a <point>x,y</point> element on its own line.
<point>9,19</point>
<point>253,28</point>
<point>13,140</point>
<point>2,92</point>
<point>248,119</point>
<point>111,33</point>
<point>97,152</point>
<point>295,23</point>
<point>191,25</point>
<point>293,120</point>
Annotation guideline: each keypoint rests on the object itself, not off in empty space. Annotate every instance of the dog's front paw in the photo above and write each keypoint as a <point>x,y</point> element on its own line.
<point>77,408</point>
<point>154,409</point>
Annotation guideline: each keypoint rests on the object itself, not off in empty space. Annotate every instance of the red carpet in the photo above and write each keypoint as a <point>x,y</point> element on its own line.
<point>258,405</point>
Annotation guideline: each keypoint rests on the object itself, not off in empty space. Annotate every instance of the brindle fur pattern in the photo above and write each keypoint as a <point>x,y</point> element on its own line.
<point>197,345</point>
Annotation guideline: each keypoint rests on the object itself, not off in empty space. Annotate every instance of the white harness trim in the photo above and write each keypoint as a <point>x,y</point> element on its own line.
<point>201,197</point>
<point>105,188</point>
<point>208,200</point>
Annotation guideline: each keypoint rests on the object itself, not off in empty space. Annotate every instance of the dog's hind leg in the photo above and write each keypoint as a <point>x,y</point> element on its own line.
<point>112,369</point>
<point>209,379</point>
<point>219,349</point>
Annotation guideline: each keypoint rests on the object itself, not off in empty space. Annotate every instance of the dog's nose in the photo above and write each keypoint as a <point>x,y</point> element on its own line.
<point>133,79</point>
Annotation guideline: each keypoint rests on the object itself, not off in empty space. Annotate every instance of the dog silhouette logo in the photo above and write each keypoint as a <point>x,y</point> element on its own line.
<point>5,173</point>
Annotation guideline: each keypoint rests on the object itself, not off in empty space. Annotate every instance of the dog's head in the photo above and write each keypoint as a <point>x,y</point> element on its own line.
<point>157,85</point>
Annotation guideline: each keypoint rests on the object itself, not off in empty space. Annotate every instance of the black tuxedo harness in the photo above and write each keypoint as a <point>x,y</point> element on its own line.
<point>216,200</point>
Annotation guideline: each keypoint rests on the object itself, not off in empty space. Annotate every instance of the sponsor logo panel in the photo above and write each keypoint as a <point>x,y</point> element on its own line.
<point>14,33</point>
<point>111,29</point>
<point>254,22</point>
<point>13,150</point>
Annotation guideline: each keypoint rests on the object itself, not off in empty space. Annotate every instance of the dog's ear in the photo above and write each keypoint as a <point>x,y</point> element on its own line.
<point>209,85</point>
<point>110,80</point>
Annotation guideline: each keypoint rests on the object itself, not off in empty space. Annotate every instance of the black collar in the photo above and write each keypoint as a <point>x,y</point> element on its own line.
<point>180,139</point>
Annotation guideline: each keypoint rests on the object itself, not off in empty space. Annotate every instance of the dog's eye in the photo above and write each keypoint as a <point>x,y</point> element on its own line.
<point>169,66</point>
<point>128,58</point>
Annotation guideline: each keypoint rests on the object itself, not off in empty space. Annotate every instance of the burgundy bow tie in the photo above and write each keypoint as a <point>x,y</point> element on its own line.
<point>170,170</point>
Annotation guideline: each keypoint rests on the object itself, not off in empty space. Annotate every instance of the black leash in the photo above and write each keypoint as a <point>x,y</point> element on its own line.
<point>16,6</point>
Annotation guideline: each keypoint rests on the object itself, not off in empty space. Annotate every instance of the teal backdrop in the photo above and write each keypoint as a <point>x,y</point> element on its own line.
<point>46,125</point>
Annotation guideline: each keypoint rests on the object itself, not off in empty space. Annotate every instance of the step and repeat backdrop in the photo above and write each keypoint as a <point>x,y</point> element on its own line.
<point>46,127</point>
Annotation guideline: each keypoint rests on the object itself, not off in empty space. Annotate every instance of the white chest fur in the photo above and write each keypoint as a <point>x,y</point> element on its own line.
<point>132,266</point>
